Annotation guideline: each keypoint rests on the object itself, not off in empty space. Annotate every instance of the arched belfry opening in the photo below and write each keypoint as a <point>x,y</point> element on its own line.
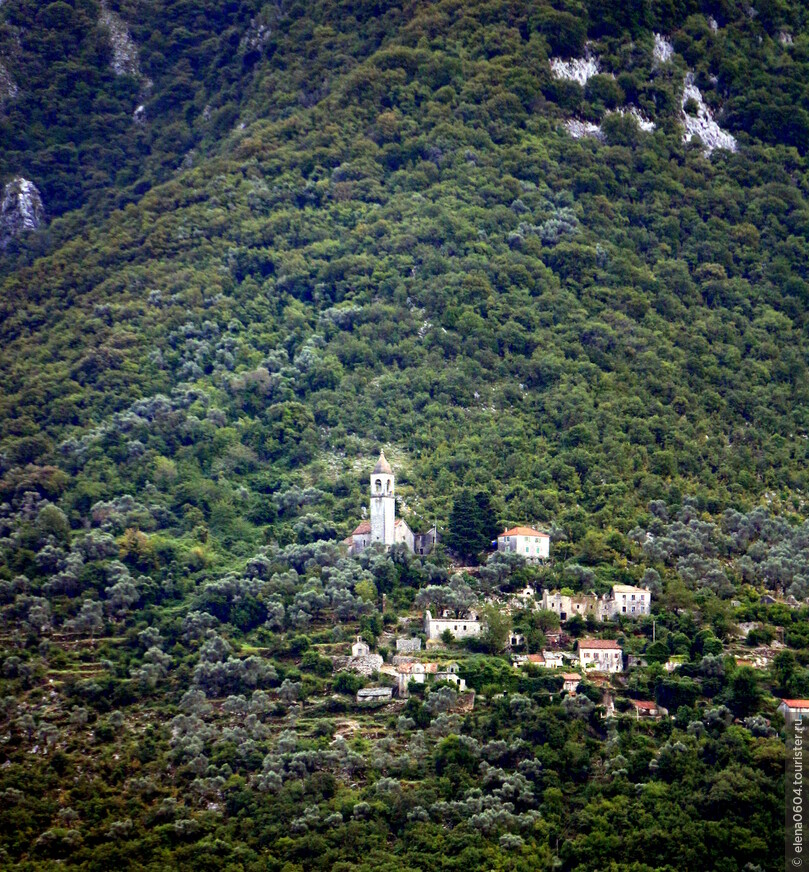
<point>383,502</point>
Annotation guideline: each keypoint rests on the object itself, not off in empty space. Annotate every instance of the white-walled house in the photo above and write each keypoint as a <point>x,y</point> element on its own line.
<point>449,672</point>
<point>533,545</point>
<point>629,601</point>
<point>420,672</point>
<point>461,628</point>
<point>414,671</point>
<point>603,655</point>
<point>570,681</point>
<point>794,709</point>
<point>553,659</point>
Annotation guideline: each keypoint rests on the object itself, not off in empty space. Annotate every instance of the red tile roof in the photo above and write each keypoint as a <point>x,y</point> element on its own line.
<point>536,658</point>
<point>362,528</point>
<point>524,531</point>
<point>603,644</point>
<point>797,703</point>
<point>571,676</point>
<point>643,704</point>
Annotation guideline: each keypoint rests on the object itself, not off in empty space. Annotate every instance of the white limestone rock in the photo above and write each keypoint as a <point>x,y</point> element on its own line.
<point>8,87</point>
<point>577,69</point>
<point>124,51</point>
<point>785,38</point>
<point>581,129</point>
<point>21,209</point>
<point>640,119</point>
<point>586,129</point>
<point>256,36</point>
<point>663,50</point>
<point>703,124</point>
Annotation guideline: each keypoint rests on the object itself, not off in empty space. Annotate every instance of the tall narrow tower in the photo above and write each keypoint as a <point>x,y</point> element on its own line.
<point>383,502</point>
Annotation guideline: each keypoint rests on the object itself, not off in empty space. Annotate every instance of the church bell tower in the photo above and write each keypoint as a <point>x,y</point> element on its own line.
<point>383,502</point>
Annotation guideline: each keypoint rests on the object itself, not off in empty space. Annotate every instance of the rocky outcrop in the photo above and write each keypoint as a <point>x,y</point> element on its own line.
<point>8,87</point>
<point>663,50</point>
<point>576,69</point>
<point>699,121</point>
<point>21,209</point>
<point>581,129</point>
<point>124,51</point>
<point>640,119</point>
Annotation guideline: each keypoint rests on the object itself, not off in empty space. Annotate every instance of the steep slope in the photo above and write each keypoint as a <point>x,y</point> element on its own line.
<point>424,258</point>
<point>553,253</point>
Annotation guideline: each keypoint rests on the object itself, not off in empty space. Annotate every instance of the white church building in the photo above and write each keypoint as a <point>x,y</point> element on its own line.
<point>384,527</point>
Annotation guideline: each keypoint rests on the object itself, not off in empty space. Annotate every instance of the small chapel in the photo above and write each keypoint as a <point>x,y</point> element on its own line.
<point>384,527</point>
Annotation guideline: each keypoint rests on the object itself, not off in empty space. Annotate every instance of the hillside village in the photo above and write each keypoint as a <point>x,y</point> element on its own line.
<point>424,659</point>
<point>552,255</point>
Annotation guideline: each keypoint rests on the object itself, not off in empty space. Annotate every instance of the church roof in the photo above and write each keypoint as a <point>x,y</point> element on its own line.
<point>382,465</point>
<point>363,528</point>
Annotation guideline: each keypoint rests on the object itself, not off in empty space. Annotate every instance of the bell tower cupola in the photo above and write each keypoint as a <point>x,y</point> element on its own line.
<point>383,502</point>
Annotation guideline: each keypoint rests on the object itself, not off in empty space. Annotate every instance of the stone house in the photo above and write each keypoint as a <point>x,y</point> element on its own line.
<point>423,543</point>
<point>361,659</point>
<point>628,601</point>
<point>603,655</point>
<point>461,628</point>
<point>421,672</point>
<point>533,545</point>
<point>408,646</point>
<point>413,671</point>
<point>567,605</point>
<point>623,600</point>
<point>570,681</point>
<point>449,672</point>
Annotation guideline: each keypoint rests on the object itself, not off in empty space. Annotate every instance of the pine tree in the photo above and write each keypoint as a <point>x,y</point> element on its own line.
<point>472,523</point>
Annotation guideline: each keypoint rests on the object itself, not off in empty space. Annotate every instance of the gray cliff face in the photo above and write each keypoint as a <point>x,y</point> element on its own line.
<point>8,87</point>
<point>124,51</point>
<point>21,209</point>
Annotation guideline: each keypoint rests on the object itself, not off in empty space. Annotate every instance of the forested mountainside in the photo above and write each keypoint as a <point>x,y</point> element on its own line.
<point>553,257</point>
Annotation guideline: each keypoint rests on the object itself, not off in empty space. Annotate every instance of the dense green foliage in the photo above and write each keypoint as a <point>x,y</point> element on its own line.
<point>358,224</point>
